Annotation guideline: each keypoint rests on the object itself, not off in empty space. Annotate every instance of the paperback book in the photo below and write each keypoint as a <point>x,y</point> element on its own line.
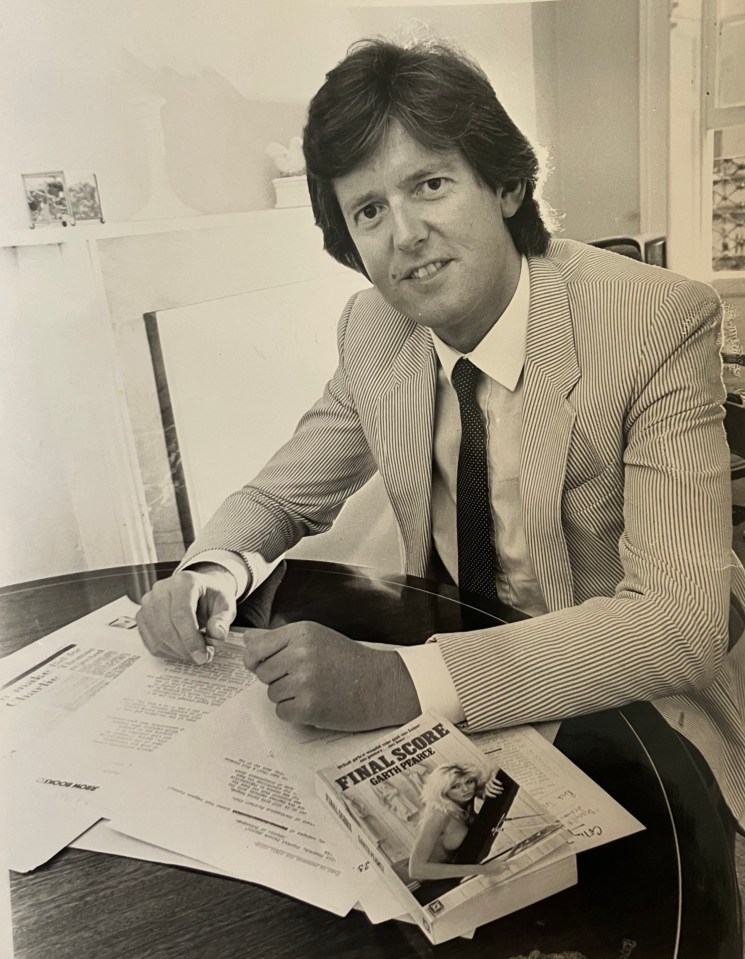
<point>458,841</point>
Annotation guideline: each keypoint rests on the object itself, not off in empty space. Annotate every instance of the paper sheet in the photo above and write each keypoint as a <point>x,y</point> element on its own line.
<point>591,816</point>
<point>40,687</point>
<point>47,680</point>
<point>91,699</point>
<point>217,797</point>
<point>102,838</point>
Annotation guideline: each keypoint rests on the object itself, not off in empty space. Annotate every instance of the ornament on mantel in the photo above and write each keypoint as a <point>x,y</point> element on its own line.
<point>163,203</point>
<point>291,186</point>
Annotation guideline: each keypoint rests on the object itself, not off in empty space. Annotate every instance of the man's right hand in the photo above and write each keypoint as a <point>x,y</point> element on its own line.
<point>174,611</point>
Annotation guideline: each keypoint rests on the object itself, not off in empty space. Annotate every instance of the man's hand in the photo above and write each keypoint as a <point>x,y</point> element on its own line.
<point>174,611</point>
<point>317,676</point>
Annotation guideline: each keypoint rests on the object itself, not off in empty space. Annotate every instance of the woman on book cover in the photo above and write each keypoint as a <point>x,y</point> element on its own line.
<point>451,798</point>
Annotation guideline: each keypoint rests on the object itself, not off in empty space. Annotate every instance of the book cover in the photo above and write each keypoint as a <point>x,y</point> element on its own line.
<point>459,842</point>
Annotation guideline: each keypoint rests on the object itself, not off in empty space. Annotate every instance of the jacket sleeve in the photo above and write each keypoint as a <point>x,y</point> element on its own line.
<point>662,629</point>
<point>302,488</point>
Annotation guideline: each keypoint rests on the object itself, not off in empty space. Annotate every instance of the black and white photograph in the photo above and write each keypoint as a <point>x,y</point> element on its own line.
<point>82,190</point>
<point>48,199</point>
<point>369,369</point>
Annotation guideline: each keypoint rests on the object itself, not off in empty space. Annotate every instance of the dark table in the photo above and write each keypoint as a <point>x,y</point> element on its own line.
<point>667,892</point>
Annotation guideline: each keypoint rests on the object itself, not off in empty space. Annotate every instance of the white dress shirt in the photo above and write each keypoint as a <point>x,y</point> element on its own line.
<point>500,356</point>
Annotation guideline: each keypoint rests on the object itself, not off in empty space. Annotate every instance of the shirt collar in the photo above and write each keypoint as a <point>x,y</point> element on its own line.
<point>501,353</point>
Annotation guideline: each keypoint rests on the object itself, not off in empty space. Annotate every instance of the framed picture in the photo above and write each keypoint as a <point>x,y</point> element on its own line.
<point>48,202</point>
<point>82,190</point>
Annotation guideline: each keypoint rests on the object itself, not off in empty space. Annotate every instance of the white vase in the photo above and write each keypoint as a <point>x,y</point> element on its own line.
<point>291,191</point>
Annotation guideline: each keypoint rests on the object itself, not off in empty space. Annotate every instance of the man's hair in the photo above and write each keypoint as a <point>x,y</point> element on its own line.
<point>444,101</point>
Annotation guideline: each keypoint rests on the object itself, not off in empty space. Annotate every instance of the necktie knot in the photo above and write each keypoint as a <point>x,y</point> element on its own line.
<point>465,377</point>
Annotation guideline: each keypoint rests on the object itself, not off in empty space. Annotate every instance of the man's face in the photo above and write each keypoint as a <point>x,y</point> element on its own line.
<point>432,237</point>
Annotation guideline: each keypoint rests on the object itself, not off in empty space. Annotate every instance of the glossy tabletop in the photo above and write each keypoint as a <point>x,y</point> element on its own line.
<point>667,892</point>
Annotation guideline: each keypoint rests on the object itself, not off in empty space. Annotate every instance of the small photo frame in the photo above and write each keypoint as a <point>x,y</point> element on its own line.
<point>47,199</point>
<point>82,191</point>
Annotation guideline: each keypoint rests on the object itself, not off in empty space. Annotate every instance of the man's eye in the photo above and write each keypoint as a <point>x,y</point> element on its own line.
<point>368,212</point>
<point>433,185</point>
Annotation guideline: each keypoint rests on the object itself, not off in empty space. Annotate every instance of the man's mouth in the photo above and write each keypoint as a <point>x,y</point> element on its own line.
<point>427,271</point>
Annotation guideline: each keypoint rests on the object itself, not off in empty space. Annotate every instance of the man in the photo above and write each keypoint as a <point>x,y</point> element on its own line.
<point>547,421</point>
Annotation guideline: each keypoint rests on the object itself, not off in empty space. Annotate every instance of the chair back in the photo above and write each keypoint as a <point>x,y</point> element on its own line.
<point>734,425</point>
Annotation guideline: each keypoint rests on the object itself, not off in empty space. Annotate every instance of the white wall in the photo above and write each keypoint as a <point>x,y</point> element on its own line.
<point>235,74</point>
<point>30,488</point>
<point>238,73</point>
<point>587,68</point>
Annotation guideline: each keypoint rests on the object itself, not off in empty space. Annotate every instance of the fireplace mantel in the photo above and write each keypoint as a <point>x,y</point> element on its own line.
<point>104,231</point>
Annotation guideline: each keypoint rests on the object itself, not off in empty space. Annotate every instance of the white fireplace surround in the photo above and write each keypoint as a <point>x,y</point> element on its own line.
<point>86,421</point>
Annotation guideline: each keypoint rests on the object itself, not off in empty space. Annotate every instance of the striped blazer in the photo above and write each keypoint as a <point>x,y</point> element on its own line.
<point>624,486</point>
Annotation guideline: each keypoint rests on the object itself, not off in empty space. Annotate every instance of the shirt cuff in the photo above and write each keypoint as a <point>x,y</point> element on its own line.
<point>432,681</point>
<point>250,569</point>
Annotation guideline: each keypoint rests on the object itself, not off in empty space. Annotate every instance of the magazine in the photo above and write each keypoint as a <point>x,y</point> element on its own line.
<point>459,842</point>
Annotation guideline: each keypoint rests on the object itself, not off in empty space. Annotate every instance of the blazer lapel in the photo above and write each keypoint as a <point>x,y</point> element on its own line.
<point>406,417</point>
<point>551,371</point>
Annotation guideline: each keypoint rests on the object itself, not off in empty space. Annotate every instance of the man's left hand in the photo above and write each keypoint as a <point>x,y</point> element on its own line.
<point>317,676</point>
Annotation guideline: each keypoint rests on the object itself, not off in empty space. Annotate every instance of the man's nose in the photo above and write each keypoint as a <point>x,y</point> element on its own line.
<point>408,228</point>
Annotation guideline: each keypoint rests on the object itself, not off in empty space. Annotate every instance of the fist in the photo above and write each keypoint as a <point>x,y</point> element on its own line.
<point>317,676</point>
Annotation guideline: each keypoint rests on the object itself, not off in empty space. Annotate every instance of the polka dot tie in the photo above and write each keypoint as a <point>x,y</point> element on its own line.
<point>477,558</point>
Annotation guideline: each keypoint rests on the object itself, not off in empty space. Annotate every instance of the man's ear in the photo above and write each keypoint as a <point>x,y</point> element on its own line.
<point>511,197</point>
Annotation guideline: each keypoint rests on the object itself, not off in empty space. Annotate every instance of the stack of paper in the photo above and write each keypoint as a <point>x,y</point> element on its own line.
<point>189,765</point>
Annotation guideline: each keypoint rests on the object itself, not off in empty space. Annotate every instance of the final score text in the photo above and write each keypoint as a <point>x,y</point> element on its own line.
<point>399,758</point>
